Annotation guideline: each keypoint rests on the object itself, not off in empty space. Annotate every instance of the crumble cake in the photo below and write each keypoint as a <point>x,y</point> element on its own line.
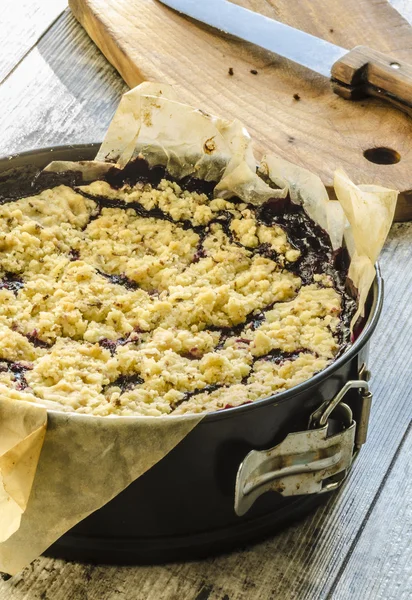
<point>151,297</point>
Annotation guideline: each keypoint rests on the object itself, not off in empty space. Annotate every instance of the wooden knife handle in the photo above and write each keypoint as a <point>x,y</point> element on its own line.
<point>364,72</point>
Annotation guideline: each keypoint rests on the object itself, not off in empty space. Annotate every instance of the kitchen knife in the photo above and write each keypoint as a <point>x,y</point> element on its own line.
<point>354,74</point>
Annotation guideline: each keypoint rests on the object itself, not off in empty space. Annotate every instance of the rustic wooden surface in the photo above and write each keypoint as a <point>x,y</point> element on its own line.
<point>358,546</point>
<point>145,40</point>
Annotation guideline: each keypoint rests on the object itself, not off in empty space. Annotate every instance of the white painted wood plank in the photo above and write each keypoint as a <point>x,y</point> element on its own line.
<point>64,91</point>
<point>22,23</point>
<point>404,7</point>
<point>380,567</point>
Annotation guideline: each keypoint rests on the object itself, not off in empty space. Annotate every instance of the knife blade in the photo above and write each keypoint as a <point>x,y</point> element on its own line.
<point>300,47</point>
<point>354,74</point>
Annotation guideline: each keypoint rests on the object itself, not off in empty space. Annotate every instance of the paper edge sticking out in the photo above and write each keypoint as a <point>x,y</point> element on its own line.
<point>369,211</point>
<point>22,433</point>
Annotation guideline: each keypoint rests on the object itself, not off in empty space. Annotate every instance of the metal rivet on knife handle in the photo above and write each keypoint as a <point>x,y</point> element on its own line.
<point>364,72</point>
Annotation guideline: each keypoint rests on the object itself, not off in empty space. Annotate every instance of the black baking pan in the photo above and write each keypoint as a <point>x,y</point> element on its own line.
<point>183,507</point>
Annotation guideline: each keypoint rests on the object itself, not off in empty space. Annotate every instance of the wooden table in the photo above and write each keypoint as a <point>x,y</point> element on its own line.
<point>56,88</point>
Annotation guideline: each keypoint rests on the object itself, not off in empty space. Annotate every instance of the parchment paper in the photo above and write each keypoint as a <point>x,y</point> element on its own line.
<point>369,210</point>
<point>23,428</point>
<point>87,460</point>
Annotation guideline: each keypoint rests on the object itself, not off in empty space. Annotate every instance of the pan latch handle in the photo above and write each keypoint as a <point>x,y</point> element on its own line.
<point>307,462</point>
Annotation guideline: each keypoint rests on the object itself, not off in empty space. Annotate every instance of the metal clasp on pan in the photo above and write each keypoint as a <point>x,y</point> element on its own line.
<point>307,462</point>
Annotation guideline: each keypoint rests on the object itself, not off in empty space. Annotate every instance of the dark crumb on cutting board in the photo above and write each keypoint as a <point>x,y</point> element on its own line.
<point>253,71</point>
<point>5,576</point>
<point>296,97</point>
<point>331,30</point>
<point>231,71</point>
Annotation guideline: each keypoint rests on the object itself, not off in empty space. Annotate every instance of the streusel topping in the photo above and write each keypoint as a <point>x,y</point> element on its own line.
<point>152,300</point>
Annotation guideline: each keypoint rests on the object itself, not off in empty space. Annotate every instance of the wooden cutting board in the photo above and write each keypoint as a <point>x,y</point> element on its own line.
<point>287,109</point>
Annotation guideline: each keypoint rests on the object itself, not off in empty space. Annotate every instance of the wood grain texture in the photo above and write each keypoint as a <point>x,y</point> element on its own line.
<point>22,23</point>
<point>145,40</point>
<point>369,573</point>
<point>63,92</point>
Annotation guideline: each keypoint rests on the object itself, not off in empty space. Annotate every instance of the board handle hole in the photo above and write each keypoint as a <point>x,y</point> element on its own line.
<point>382,156</point>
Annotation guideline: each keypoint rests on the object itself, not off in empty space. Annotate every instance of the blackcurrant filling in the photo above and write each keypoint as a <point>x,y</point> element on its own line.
<point>120,280</point>
<point>112,345</point>
<point>126,382</point>
<point>12,282</point>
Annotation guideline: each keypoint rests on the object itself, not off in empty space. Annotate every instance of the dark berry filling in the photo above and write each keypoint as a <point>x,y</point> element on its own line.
<point>120,280</point>
<point>74,255</point>
<point>17,370</point>
<point>12,282</point>
<point>34,339</point>
<point>127,382</point>
<point>112,345</point>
